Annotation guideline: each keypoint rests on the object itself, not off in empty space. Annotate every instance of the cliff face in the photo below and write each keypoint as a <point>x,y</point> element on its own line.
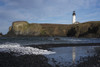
<point>1,34</point>
<point>24,28</point>
<point>88,29</point>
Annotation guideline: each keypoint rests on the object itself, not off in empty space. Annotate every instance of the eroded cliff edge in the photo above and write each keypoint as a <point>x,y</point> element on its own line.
<point>23,28</point>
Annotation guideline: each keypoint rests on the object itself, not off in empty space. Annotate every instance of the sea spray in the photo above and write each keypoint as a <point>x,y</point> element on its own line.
<point>21,50</point>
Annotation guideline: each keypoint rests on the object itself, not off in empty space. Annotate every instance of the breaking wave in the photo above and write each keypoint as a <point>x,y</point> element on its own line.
<point>21,50</point>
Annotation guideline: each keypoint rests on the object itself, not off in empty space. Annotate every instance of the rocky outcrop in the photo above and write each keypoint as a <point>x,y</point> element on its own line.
<point>23,28</point>
<point>1,34</point>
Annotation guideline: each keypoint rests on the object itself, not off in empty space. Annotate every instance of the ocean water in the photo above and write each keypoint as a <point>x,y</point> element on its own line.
<point>47,40</point>
<point>62,56</point>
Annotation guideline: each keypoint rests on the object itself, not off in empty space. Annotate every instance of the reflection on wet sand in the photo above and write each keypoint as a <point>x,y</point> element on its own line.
<point>70,56</point>
<point>73,55</point>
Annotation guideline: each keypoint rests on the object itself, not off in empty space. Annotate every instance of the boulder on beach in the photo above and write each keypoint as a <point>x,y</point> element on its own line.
<point>56,38</point>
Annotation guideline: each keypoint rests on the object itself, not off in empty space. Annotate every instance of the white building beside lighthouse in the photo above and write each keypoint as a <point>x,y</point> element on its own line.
<point>74,17</point>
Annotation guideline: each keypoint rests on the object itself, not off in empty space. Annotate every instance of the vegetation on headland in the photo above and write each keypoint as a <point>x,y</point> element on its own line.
<point>87,29</point>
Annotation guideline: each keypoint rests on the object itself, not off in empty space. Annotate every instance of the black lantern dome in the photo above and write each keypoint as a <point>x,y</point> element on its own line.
<point>74,13</point>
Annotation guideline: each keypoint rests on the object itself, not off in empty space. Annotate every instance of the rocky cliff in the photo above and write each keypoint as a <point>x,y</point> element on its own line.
<point>1,34</point>
<point>23,28</point>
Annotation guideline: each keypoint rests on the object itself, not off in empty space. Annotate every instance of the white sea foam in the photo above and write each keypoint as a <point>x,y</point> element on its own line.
<point>21,50</point>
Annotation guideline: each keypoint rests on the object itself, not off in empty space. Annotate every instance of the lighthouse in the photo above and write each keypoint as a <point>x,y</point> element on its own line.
<point>74,17</point>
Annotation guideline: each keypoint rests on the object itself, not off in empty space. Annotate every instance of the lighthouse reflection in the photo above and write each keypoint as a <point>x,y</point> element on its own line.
<point>70,56</point>
<point>73,54</point>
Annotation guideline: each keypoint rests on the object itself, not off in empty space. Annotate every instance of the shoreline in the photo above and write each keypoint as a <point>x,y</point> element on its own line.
<point>46,46</point>
<point>10,60</point>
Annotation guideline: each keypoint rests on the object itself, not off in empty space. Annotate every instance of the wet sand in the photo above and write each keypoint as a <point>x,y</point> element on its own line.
<point>93,61</point>
<point>10,60</point>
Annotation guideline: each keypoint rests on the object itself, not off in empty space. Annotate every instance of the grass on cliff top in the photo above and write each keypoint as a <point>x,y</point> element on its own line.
<point>67,29</point>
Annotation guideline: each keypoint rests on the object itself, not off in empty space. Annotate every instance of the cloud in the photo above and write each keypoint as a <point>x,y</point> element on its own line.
<point>41,10</point>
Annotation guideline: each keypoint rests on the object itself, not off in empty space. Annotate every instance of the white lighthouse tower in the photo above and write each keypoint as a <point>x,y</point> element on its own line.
<point>74,17</point>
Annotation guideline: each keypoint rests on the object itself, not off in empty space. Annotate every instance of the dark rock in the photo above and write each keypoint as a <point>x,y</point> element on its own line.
<point>1,34</point>
<point>56,38</point>
<point>10,60</point>
<point>71,32</point>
